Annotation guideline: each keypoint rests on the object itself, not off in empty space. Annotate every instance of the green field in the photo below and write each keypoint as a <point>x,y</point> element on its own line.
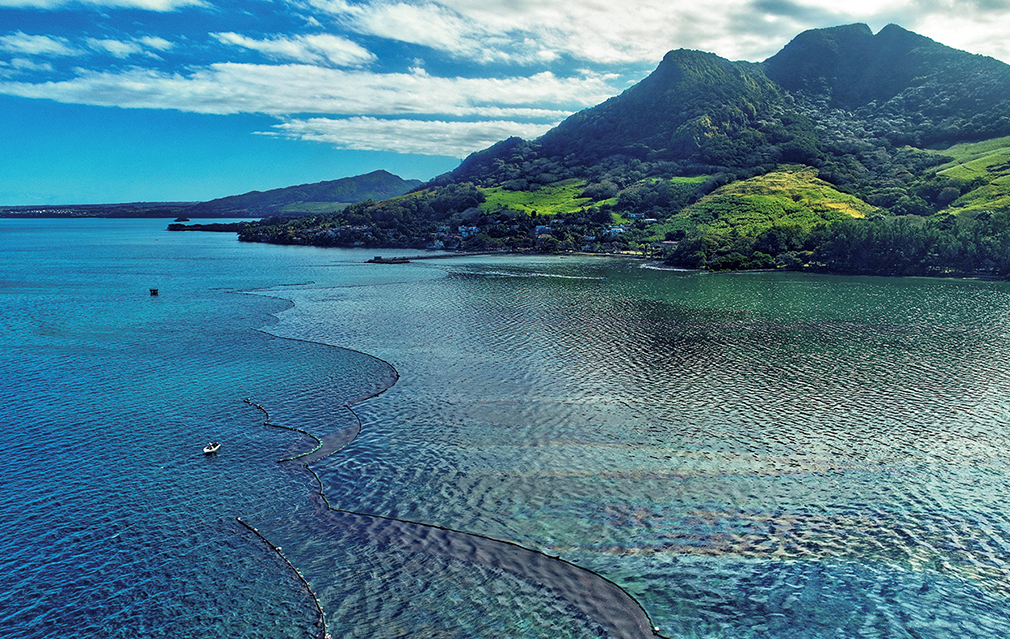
<point>313,208</point>
<point>560,197</point>
<point>791,195</point>
<point>695,179</point>
<point>989,161</point>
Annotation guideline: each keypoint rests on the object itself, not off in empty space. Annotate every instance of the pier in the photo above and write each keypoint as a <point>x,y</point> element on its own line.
<point>378,259</point>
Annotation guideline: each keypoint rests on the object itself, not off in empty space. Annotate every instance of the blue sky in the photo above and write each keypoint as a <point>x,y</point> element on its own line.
<point>161,100</point>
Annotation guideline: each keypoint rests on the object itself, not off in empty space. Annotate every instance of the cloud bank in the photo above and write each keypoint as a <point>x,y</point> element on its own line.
<point>602,32</point>
<point>333,70</point>
<point>456,139</point>
<point>147,5</point>
<point>323,49</point>
<point>229,88</point>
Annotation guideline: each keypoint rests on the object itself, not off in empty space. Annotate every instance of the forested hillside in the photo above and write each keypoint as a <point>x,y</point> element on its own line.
<point>845,138</point>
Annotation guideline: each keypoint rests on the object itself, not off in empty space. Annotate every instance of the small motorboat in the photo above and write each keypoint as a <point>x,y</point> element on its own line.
<point>211,448</point>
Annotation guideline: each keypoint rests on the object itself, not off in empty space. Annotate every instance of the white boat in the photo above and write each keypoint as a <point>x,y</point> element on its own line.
<point>211,448</point>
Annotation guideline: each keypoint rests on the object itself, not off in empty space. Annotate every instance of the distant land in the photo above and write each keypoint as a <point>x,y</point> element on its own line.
<point>131,209</point>
<point>306,199</point>
<point>847,151</point>
<point>321,197</point>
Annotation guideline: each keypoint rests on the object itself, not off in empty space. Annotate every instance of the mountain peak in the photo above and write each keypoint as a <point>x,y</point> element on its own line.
<point>837,39</point>
<point>851,65</point>
<point>682,55</point>
<point>698,112</point>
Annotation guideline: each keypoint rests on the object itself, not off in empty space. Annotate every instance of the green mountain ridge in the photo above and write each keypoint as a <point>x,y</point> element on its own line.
<point>841,119</point>
<point>831,98</point>
<point>914,90</point>
<point>302,199</point>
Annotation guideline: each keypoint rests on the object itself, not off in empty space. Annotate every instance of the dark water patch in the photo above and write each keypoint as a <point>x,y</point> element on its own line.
<point>593,596</point>
<point>785,420</point>
<point>321,622</point>
<point>618,614</point>
<point>596,602</point>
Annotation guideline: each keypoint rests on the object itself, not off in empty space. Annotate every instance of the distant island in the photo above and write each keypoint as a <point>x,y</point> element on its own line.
<point>307,199</point>
<point>126,210</point>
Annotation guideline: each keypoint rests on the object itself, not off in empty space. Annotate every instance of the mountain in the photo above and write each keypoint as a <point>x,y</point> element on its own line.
<point>695,110</point>
<point>831,94</point>
<point>320,197</point>
<point>907,87</point>
<point>829,154</point>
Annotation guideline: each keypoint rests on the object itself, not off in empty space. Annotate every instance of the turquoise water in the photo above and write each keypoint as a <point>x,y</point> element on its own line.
<point>755,455</point>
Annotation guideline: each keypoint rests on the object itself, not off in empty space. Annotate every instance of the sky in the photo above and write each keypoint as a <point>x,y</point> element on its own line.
<point>107,101</point>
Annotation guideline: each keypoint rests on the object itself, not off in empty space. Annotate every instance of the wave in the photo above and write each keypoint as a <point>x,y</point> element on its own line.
<point>516,274</point>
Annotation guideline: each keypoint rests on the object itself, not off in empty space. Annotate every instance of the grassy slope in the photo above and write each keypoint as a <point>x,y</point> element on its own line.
<point>791,195</point>
<point>314,208</point>
<point>989,160</point>
<point>560,197</point>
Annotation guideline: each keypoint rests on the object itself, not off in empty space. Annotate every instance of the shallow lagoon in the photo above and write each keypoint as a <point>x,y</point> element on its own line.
<point>752,455</point>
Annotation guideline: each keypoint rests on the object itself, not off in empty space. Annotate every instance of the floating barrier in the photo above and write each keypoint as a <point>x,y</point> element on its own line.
<point>315,598</point>
<point>266,422</point>
<point>613,608</point>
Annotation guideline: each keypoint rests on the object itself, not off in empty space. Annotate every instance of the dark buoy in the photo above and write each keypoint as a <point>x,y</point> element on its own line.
<point>154,292</point>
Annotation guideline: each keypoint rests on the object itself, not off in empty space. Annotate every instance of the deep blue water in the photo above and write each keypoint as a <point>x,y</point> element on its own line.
<point>114,523</point>
<point>759,455</point>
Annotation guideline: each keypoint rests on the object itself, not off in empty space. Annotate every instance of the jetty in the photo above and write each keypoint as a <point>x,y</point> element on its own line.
<point>378,259</point>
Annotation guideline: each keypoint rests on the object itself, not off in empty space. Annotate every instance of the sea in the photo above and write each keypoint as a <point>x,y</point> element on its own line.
<point>490,446</point>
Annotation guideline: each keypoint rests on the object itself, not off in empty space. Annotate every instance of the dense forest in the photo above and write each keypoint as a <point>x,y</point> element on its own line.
<point>846,151</point>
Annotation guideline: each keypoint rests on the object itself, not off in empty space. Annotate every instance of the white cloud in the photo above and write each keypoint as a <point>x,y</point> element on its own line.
<point>641,32</point>
<point>23,65</point>
<point>529,31</point>
<point>37,45</point>
<point>116,48</point>
<point>402,112</point>
<point>311,49</point>
<point>429,25</point>
<point>42,45</point>
<point>968,31</point>
<point>424,137</point>
<point>149,5</point>
<point>154,42</point>
<point>291,89</point>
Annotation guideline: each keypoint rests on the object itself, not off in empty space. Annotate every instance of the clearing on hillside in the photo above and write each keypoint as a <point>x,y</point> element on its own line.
<point>790,195</point>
